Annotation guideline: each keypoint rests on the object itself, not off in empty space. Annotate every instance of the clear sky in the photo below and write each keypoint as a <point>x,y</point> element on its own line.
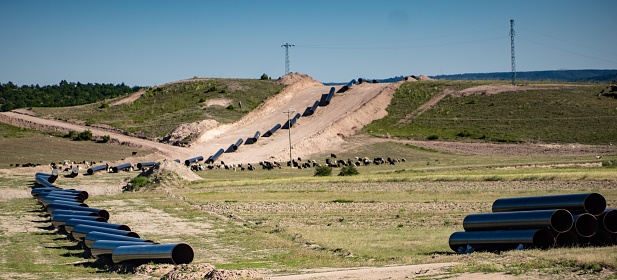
<point>149,42</point>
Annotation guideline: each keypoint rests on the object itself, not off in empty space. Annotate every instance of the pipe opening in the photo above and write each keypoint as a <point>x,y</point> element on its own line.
<point>609,220</point>
<point>182,253</point>
<point>585,225</point>
<point>601,238</point>
<point>595,204</point>
<point>561,220</point>
<point>566,239</point>
<point>543,239</point>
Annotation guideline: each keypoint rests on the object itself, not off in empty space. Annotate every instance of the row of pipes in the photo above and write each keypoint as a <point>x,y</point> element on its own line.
<point>539,222</point>
<point>118,168</point>
<point>99,238</point>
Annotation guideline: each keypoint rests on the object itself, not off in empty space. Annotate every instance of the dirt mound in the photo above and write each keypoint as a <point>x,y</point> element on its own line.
<point>194,272</point>
<point>163,170</point>
<point>185,133</point>
<point>223,102</point>
<point>425,78</point>
<point>294,78</point>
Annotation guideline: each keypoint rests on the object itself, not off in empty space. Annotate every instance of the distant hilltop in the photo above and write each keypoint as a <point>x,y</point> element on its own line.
<point>551,75</point>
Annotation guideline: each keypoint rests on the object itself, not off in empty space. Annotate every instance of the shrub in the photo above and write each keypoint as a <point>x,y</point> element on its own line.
<point>349,171</point>
<point>71,135</point>
<point>433,137</point>
<point>103,106</point>
<point>138,182</point>
<point>85,135</point>
<point>264,76</point>
<point>323,171</point>
<point>231,107</point>
<point>202,100</point>
<point>105,139</point>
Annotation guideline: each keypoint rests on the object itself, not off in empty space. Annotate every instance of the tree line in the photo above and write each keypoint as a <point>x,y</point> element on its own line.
<point>60,95</point>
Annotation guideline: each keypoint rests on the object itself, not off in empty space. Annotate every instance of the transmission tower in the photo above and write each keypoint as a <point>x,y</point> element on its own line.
<point>512,52</point>
<point>287,46</point>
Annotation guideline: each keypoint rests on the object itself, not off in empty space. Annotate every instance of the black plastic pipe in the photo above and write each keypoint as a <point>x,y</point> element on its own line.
<point>156,253</point>
<point>106,247</point>
<point>102,212</point>
<point>38,190</point>
<point>311,109</point>
<point>347,86</point>
<point>558,220</point>
<point>290,123</point>
<point>97,168</point>
<point>60,205</point>
<point>329,96</point>
<point>238,143</point>
<point>585,225</point>
<point>141,165</point>
<point>59,220</point>
<point>94,236</point>
<point>230,149</point>
<point>193,160</point>
<point>63,201</point>
<point>322,100</point>
<point>601,238</point>
<point>54,196</point>
<point>43,181</point>
<point>272,130</point>
<point>117,168</point>
<point>497,240</point>
<point>253,140</point>
<point>79,231</point>
<point>566,239</point>
<point>71,223</point>
<point>592,203</point>
<point>72,212</point>
<point>216,156</point>
<point>48,191</point>
<point>608,220</point>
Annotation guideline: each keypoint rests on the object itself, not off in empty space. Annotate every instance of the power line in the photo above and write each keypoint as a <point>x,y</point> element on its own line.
<point>287,46</point>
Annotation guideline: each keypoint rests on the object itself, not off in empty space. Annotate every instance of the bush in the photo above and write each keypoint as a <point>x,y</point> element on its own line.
<point>323,171</point>
<point>85,135</point>
<point>349,171</point>
<point>264,76</point>
<point>138,182</point>
<point>103,106</point>
<point>433,137</point>
<point>231,107</point>
<point>105,139</point>
<point>202,100</point>
<point>71,135</point>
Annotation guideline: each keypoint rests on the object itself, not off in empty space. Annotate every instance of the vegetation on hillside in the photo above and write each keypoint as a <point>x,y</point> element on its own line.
<point>572,114</point>
<point>63,94</point>
<point>555,75</point>
<point>161,109</point>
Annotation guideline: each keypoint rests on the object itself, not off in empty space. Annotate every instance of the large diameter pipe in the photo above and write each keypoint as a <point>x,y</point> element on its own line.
<point>48,191</point>
<point>79,231</point>
<point>329,96</point>
<point>43,180</point>
<point>253,140</point>
<point>592,203</point>
<point>71,223</point>
<point>601,238</point>
<point>216,155</point>
<point>156,253</point>
<point>608,220</point>
<point>101,212</point>
<point>38,190</point>
<point>60,220</point>
<point>566,239</point>
<point>585,225</point>
<point>61,205</point>
<point>124,166</point>
<point>106,247</point>
<point>51,197</point>
<point>97,168</point>
<point>63,201</point>
<point>559,220</point>
<point>193,160</point>
<point>141,165</point>
<point>497,240</point>
<point>272,130</point>
<point>94,236</point>
<point>72,213</point>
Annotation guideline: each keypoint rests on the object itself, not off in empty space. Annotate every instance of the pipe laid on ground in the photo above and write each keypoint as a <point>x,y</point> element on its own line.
<point>347,86</point>
<point>559,220</point>
<point>311,109</point>
<point>592,203</point>
<point>566,239</point>
<point>608,220</point>
<point>124,166</point>
<point>57,200</point>
<point>497,240</point>
<point>71,223</point>
<point>38,190</point>
<point>601,238</point>
<point>329,96</point>
<point>272,130</point>
<point>238,143</point>
<point>73,213</point>
<point>102,248</point>
<point>97,168</point>
<point>79,231</point>
<point>193,160</point>
<point>141,165</point>
<point>585,225</point>
<point>43,180</point>
<point>94,236</point>
<point>101,212</point>
<point>48,191</point>
<point>290,123</point>
<point>253,140</point>
<point>53,196</point>
<point>215,156</point>
<point>156,253</point>
<point>60,205</point>
<point>60,220</point>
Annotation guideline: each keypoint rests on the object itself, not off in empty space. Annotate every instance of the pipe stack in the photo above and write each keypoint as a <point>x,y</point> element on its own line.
<point>92,229</point>
<point>539,222</point>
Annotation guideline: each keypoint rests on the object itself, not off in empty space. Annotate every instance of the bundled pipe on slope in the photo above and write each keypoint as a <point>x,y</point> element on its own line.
<point>141,165</point>
<point>496,240</point>
<point>559,220</point>
<point>94,236</point>
<point>592,203</point>
<point>59,220</point>
<point>290,123</point>
<point>79,231</point>
<point>158,253</point>
<point>102,248</point>
<point>311,110</point>
<point>213,158</point>
<point>101,212</point>
<point>253,140</point>
<point>347,86</point>
<point>193,160</point>
<point>71,223</point>
<point>124,166</point>
<point>97,168</point>
<point>607,221</point>
<point>326,98</point>
<point>272,130</point>
<point>585,225</point>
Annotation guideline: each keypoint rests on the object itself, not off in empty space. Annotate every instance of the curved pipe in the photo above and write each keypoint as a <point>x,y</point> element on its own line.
<point>272,130</point>
<point>97,168</point>
<point>566,239</point>
<point>73,213</point>
<point>585,225</point>
<point>608,220</point>
<point>141,165</point>
<point>496,240</point>
<point>101,212</point>
<point>60,220</point>
<point>106,247</point>
<point>193,160</point>
<point>117,168</point>
<point>558,220</point>
<point>79,231</point>
<point>157,253</point>
<point>71,223</point>
<point>94,236</point>
<point>592,203</point>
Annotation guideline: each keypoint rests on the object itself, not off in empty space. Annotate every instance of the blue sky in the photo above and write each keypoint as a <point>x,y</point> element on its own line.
<point>154,42</point>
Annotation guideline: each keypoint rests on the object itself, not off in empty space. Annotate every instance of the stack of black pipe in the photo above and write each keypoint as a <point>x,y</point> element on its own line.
<point>539,222</point>
<point>99,238</point>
